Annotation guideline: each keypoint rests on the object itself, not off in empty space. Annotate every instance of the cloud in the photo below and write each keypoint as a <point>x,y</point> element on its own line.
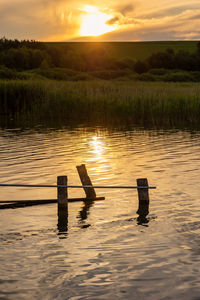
<point>170,10</point>
<point>126,9</point>
<point>60,19</point>
<point>195,16</point>
<point>113,21</point>
<point>182,26</point>
<point>37,19</point>
<point>170,23</point>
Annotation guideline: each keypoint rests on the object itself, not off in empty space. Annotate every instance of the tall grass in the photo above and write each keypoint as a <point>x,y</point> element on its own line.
<point>100,102</point>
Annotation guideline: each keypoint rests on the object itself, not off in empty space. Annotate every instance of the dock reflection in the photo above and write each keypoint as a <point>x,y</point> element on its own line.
<point>83,214</point>
<point>62,222</point>
<point>143,211</point>
<point>142,219</point>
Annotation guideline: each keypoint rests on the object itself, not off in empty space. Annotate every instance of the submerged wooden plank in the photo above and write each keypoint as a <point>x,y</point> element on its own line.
<point>85,199</point>
<point>23,203</point>
<point>29,201</point>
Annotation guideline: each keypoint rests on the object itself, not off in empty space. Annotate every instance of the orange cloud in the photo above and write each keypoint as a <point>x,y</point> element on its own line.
<point>61,19</point>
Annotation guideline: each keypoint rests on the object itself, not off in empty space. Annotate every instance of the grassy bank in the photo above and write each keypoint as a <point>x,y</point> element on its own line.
<point>99,102</point>
<point>65,74</point>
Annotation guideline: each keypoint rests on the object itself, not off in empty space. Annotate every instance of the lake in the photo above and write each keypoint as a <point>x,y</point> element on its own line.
<point>105,253</point>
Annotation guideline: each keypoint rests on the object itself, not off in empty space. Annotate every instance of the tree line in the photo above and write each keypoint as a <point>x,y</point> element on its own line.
<point>30,54</point>
<point>27,55</point>
<point>169,59</point>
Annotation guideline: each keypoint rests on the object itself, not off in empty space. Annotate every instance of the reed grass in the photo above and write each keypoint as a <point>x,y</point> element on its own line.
<point>100,102</point>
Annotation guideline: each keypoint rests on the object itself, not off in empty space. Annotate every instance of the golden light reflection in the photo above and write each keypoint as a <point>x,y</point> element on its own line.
<point>94,22</point>
<point>97,146</point>
<point>97,152</point>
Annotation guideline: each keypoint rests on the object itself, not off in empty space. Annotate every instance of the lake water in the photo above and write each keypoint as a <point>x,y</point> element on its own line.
<point>105,253</point>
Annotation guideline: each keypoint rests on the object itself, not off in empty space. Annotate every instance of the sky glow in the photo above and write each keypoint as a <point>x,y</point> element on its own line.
<point>143,20</point>
<point>94,22</point>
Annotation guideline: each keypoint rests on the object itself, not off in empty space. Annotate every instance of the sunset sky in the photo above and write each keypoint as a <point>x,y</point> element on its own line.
<point>139,20</point>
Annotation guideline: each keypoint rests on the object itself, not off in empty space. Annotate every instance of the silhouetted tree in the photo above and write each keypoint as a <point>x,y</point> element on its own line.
<point>141,67</point>
<point>164,59</point>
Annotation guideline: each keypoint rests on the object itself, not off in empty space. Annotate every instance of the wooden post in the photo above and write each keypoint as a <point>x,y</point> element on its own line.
<point>85,180</point>
<point>62,197</point>
<point>143,197</point>
<point>143,194</point>
<point>62,193</point>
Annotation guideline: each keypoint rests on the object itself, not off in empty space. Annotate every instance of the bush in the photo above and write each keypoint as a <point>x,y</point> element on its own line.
<point>6,73</point>
<point>125,63</point>
<point>146,77</point>
<point>140,67</point>
<point>61,74</point>
<point>164,59</point>
<point>196,75</point>
<point>179,77</point>
<point>82,77</point>
<point>160,71</point>
<point>110,74</point>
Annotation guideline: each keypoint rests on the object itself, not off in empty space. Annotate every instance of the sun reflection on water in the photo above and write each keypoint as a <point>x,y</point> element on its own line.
<point>98,152</point>
<point>97,147</point>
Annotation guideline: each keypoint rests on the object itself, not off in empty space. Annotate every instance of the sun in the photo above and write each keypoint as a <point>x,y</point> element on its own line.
<point>94,22</point>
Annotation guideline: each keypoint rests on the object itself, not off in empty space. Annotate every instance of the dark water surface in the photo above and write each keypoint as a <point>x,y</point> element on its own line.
<point>104,254</point>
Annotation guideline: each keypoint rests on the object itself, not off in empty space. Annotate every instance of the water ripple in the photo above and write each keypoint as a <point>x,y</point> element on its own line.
<point>103,252</point>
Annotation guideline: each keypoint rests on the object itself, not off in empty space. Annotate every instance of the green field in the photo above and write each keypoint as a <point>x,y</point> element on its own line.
<point>133,50</point>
